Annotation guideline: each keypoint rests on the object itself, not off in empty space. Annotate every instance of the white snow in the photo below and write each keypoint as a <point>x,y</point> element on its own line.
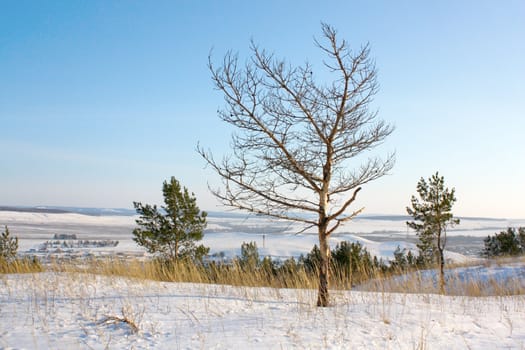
<point>79,311</point>
<point>65,311</point>
<point>11,217</point>
<point>225,234</point>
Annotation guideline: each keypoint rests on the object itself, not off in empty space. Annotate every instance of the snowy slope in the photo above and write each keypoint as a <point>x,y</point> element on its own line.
<point>60,311</point>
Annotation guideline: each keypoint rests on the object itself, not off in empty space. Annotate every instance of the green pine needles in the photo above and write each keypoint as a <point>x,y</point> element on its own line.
<point>8,246</point>
<point>432,214</point>
<point>506,243</point>
<point>172,232</point>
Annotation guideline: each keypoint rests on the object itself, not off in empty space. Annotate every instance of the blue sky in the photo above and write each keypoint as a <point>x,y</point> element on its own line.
<point>101,101</point>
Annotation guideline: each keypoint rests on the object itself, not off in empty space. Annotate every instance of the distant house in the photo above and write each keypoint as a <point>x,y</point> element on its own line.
<point>64,236</point>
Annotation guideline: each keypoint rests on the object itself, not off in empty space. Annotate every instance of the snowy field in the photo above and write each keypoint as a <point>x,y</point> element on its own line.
<point>226,232</point>
<point>61,311</point>
<point>73,311</point>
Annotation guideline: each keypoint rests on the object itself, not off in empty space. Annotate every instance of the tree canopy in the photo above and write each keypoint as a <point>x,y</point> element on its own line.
<point>432,213</point>
<point>172,230</point>
<point>8,246</point>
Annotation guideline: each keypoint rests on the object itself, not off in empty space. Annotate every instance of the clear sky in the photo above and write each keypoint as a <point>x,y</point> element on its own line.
<point>101,101</point>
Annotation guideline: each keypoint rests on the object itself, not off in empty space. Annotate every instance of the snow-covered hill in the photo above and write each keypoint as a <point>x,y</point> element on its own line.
<point>64,311</point>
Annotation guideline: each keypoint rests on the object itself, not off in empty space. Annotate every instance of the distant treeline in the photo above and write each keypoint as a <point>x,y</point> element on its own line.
<point>34,210</point>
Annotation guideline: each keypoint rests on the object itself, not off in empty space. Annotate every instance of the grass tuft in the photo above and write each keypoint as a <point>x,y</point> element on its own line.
<point>21,265</point>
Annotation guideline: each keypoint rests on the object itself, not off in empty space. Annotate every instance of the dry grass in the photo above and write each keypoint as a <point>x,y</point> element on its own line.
<point>21,265</point>
<point>475,283</point>
<point>233,274</point>
<point>128,318</point>
<point>414,281</point>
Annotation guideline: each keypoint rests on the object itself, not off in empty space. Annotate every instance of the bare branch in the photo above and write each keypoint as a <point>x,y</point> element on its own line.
<point>344,206</point>
<point>296,135</point>
<point>297,138</point>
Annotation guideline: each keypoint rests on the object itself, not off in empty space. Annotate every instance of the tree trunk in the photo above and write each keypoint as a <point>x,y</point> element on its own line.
<point>324,270</point>
<point>441,272</point>
<point>175,253</point>
<point>441,261</point>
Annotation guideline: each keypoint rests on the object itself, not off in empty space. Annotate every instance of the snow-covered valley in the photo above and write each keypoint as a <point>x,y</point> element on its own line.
<point>225,233</point>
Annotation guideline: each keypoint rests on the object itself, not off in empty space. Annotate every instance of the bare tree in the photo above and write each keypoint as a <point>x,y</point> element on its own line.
<point>296,138</point>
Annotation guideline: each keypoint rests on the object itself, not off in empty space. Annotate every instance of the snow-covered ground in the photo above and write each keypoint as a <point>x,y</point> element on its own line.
<point>65,311</point>
<point>79,311</point>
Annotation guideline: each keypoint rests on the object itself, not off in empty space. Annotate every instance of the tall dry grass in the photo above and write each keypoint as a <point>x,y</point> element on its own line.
<point>297,277</point>
<point>232,274</point>
<point>20,265</point>
<point>474,280</point>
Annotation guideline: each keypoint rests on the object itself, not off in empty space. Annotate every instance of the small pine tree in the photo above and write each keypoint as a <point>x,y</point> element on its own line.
<point>8,246</point>
<point>432,215</point>
<point>249,256</point>
<point>172,233</point>
<point>411,259</point>
<point>400,259</point>
<point>510,242</point>
<point>351,257</point>
<point>312,260</point>
<point>268,265</point>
